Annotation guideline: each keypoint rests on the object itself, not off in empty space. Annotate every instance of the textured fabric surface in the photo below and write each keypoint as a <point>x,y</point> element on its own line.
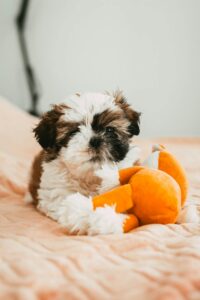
<point>39,260</point>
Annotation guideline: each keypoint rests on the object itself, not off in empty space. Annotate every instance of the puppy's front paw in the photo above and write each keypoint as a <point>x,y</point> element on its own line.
<point>109,176</point>
<point>104,220</point>
<point>74,213</point>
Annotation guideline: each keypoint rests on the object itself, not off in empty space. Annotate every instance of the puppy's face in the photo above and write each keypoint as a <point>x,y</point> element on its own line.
<point>88,128</point>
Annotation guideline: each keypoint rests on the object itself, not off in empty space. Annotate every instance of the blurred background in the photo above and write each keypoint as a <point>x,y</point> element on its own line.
<point>148,48</point>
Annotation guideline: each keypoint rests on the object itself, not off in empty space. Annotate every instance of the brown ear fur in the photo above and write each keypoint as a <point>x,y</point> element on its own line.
<point>132,115</point>
<point>46,130</point>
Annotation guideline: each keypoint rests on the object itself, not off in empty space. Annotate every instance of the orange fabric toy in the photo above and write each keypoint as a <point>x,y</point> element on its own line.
<point>153,193</point>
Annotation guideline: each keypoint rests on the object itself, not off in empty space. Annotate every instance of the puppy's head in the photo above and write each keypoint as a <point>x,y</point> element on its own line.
<point>88,128</point>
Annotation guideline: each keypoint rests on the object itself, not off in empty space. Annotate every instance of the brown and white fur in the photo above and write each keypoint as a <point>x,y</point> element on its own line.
<point>85,140</point>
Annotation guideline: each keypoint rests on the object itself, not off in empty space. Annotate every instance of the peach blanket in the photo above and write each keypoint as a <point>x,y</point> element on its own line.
<point>38,260</point>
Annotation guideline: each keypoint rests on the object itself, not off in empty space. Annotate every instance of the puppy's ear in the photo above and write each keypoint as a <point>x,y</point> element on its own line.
<point>132,115</point>
<point>46,130</point>
<point>134,128</point>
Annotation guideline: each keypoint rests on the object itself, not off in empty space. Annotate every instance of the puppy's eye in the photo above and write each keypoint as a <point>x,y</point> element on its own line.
<point>109,129</point>
<point>110,132</point>
<point>73,132</point>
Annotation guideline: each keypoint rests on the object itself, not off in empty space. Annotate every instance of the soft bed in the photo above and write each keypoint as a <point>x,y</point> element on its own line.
<point>40,260</point>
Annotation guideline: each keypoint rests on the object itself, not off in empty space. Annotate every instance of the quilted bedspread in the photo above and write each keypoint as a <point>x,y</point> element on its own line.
<point>39,260</point>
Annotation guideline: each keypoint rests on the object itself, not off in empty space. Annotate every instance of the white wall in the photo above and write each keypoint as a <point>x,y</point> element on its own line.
<point>12,80</point>
<point>149,48</point>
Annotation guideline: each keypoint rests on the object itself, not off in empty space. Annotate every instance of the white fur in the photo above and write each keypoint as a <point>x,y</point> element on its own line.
<point>74,211</point>
<point>53,188</point>
<point>77,150</point>
<point>110,177</point>
<point>87,105</point>
<point>104,220</point>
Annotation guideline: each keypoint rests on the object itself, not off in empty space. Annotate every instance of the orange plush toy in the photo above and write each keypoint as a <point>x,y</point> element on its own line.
<point>153,193</point>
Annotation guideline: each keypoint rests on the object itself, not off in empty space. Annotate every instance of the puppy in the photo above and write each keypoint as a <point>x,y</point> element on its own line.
<point>85,140</point>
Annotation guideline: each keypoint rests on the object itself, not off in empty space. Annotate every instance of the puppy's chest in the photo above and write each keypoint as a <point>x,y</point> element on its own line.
<point>86,183</point>
<point>71,179</point>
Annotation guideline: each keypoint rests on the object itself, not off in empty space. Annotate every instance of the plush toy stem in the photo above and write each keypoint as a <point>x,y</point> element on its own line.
<point>120,197</point>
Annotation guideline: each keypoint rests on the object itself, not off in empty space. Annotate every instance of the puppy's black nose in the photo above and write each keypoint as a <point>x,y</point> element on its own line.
<point>95,142</point>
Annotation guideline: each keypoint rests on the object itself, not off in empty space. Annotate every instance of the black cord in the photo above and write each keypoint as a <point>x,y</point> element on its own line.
<point>30,76</point>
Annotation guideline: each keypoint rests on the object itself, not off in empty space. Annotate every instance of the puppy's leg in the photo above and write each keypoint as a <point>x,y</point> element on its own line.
<point>71,212</point>
<point>74,212</point>
<point>77,215</point>
<point>104,220</point>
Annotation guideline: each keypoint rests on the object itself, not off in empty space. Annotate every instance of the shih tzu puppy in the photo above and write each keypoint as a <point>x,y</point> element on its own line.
<point>85,140</point>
